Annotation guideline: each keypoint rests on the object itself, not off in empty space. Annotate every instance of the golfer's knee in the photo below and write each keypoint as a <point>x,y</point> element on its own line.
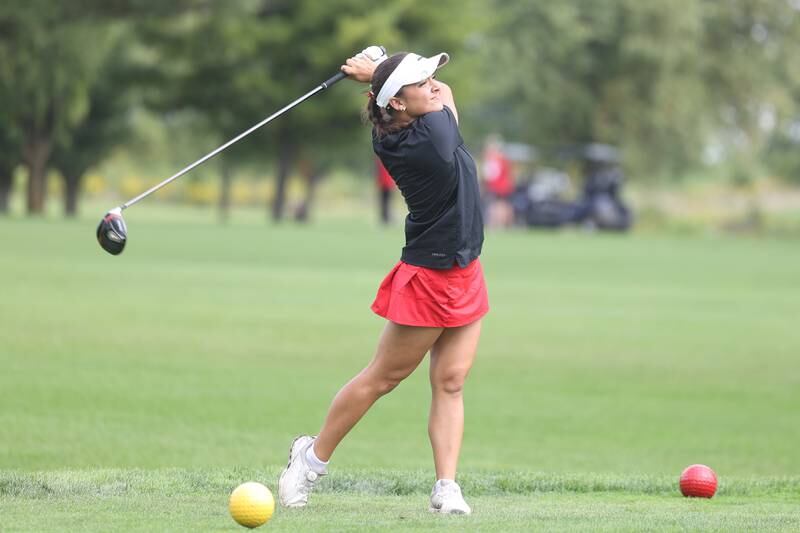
<point>385,383</point>
<point>450,381</point>
<point>385,386</point>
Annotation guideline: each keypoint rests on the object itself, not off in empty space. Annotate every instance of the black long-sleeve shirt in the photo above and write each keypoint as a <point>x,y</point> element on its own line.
<point>439,182</point>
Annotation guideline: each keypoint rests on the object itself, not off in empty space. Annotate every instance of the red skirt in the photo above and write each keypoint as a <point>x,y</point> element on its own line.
<point>417,296</point>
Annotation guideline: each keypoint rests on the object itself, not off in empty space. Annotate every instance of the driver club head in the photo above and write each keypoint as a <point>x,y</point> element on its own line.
<point>112,232</point>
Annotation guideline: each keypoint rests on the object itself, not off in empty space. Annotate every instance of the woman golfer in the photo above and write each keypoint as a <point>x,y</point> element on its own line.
<point>434,298</point>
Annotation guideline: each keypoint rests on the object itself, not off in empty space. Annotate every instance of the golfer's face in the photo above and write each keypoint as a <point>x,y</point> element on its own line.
<point>422,97</point>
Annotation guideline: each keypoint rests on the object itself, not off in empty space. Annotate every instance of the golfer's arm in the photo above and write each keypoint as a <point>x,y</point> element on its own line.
<point>446,96</point>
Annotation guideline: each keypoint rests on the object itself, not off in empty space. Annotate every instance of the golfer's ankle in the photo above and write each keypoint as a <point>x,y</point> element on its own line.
<point>317,465</point>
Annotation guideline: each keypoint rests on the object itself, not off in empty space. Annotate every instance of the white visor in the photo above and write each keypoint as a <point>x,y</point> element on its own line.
<point>412,69</point>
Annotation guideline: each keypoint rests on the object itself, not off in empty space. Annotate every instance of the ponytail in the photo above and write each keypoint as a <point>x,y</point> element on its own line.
<point>382,119</point>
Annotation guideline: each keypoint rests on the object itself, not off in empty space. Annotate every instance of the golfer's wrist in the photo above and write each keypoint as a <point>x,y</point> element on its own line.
<point>365,74</point>
<point>358,75</point>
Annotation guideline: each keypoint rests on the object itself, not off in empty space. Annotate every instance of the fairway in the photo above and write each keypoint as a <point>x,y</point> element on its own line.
<point>195,500</point>
<point>137,391</point>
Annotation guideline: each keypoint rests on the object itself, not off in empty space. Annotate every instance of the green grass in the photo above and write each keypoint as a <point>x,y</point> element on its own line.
<point>195,500</point>
<point>187,364</point>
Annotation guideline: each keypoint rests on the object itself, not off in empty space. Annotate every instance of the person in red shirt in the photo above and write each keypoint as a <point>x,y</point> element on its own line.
<point>498,184</point>
<point>385,185</point>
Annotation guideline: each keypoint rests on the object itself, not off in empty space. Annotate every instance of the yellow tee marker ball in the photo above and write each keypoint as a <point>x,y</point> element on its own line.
<point>251,504</point>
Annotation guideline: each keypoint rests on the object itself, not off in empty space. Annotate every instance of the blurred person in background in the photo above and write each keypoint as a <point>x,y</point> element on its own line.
<point>498,180</point>
<point>385,185</point>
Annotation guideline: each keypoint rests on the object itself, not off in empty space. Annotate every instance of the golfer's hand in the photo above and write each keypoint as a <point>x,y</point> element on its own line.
<point>359,68</point>
<point>446,96</point>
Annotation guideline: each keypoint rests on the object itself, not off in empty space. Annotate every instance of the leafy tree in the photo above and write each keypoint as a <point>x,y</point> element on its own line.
<point>104,126</point>
<point>238,61</point>
<point>51,57</point>
<point>9,158</point>
<point>44,83</point>
<point>575,72</point>
<point>750,69</point>
<point>661,79</point>
<point>9,155</point>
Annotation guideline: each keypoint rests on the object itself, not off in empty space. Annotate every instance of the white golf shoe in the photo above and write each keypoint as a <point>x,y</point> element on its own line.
<point>297,480</point>
<point>446,498</point>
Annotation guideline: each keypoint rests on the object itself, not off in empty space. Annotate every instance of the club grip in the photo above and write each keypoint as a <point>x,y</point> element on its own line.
<point>339,76</point>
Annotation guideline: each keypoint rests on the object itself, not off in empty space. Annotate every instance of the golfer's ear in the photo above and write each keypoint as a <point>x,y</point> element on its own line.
<point>396,104</point>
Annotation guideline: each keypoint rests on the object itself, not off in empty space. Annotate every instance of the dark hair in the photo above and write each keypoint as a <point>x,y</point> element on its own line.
<point>382,119</point>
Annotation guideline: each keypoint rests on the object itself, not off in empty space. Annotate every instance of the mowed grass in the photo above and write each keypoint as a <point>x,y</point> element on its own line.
<point>370,500</point>
<point>607,364</point>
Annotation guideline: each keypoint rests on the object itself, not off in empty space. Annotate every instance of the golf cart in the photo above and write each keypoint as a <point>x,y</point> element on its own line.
<point>541,200</point>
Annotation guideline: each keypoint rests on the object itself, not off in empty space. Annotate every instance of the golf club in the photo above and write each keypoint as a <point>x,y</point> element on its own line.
<point>112,233</point>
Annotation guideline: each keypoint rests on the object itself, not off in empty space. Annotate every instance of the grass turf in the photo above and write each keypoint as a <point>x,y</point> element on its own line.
<point>206,346</point>
<point>192,500</point>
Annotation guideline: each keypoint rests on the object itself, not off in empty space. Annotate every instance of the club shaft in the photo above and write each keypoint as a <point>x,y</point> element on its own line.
<point>320,87</point>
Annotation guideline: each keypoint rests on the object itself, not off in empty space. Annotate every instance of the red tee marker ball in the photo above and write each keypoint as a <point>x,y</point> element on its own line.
<point>698,481</point>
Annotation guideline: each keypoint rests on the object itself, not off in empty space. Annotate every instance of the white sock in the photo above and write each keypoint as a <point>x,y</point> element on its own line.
<point>442,482</point>
<point>317,465</point>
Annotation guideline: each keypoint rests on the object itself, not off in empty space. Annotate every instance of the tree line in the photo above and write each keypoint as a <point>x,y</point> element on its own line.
<point>674,84</point>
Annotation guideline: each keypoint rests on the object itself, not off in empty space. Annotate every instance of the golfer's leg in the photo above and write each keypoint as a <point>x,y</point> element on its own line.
<point>400,350</point>
<point>451,359</point>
